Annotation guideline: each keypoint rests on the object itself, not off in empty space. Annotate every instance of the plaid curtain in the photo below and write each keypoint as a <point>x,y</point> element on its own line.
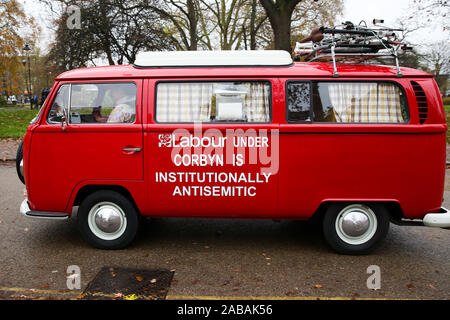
<point>195,102</point>
<point>257,104</point>
<point>183,102</point>
<point>366,102</point>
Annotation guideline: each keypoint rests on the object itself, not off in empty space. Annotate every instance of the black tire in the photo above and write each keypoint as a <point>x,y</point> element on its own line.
<point>336,238</point>
<point>19,157</point>
<point>112,198</point>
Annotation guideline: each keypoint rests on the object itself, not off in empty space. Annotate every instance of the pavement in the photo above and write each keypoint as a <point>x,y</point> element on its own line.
<point>8,149</point>
<point>218,258</point>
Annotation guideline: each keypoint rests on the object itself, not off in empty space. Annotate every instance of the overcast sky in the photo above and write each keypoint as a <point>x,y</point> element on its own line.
<point>355,10</point>
<point>392,11</point>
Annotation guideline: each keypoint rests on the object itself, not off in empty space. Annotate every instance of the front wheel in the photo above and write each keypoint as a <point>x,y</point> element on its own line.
<point>19,162</point>
<point>107,220</point>
<point>355,228</point>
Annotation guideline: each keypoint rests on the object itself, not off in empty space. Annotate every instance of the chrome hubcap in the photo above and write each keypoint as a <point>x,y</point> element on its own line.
<point>356,224</point>
<point>107,220</point>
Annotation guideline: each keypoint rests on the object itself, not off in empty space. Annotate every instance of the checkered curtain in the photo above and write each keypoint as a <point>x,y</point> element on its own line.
<point>257,104</point>
<point>366,102</point>
<point>192,102</point>
<point>183,102</point>
<point>389,103</point>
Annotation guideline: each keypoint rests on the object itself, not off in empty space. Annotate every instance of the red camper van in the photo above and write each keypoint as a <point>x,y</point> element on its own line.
<point>239,135</point>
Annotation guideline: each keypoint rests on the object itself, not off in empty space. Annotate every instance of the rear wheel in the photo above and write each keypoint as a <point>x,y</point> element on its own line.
<point>108,220</point>
<point>355,228</point>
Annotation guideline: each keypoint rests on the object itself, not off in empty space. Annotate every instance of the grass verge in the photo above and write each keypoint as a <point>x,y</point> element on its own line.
<point>14,123</point>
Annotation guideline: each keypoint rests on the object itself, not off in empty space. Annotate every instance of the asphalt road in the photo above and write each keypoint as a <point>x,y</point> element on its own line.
<point>219,258</point>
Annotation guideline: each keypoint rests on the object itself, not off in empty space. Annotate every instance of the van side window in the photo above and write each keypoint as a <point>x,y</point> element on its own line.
<point>346,102</point>
<point>60,102</point>
<point>103,103</point>
<point>359,102</point>
<point>298,101</point>
<point>213,102</point>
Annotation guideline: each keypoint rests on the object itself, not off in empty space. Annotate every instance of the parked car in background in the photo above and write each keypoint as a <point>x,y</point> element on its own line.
<point>12,100</point>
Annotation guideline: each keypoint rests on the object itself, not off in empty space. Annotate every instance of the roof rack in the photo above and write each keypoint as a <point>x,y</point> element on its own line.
<point>176,59</point>
<point>351,43</point>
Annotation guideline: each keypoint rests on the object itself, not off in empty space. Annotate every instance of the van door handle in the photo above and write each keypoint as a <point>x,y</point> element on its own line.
<point>131,150</point>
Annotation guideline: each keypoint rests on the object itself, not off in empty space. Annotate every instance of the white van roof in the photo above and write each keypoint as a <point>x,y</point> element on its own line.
<point>155,59</point>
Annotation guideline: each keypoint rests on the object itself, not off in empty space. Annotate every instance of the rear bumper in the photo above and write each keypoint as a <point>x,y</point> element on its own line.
<point>25,210</point>
<point>440,219</point>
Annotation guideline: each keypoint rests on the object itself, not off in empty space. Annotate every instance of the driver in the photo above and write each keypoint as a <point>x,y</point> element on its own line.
<point>124,110</point>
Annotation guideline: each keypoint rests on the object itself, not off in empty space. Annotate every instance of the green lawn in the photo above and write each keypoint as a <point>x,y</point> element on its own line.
<point>14,106</point>
<point>14,123</point>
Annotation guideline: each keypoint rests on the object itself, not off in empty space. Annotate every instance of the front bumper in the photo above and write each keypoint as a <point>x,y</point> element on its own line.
<point>440,219</point>
<point>25,210</point>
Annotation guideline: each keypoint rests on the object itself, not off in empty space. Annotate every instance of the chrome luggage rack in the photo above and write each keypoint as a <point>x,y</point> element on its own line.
<point>350,43</point>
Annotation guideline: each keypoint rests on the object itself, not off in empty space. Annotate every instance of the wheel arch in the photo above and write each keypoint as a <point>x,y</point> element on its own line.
<point>86,190</point>
<point>393,207</point>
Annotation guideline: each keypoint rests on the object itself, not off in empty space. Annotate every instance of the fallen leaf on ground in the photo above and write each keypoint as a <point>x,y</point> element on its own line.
<point>131,297</point>
<point>317,286</point>
<point>139,278</point>
<point>153,281</point>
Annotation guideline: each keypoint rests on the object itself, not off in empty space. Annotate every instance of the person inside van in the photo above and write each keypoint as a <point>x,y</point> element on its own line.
<point>124,100</point>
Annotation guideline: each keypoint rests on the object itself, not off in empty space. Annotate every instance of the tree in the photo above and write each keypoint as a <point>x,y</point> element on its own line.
<point>184,15</point>
<point>310,14</point>
<point>430,11</point>
<point>15,29</point>
<point>280,17</point>
<point>113,29</point>
<point>438,57</point>
<point>438,60</point>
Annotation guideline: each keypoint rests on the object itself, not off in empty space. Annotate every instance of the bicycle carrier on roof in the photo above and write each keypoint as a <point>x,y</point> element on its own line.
<point>352,43</point>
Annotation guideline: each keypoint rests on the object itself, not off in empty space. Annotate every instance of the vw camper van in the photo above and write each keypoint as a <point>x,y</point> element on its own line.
<point>239,135</point>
